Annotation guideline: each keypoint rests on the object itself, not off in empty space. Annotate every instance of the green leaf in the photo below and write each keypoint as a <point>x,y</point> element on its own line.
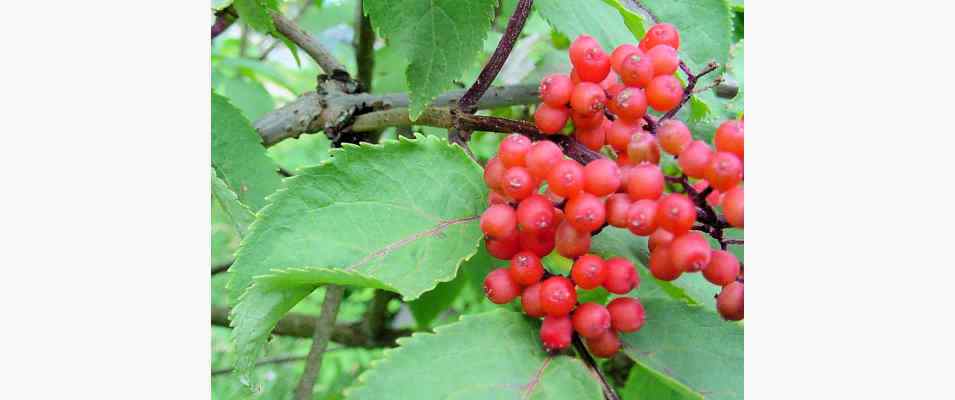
<point>592,17</point>
<point>633,20</point>
<point>248,95</point>
<point>494,355</point>
<point>292,47</point>
<point>430,305</point>
<point>238,156</point>
<point>735,69</point>
<point>692,345</point>
<point>220,5</point>
<point>237,213</point>
<point>647,384</point>
<point>256,13</point>
<point>440,37</point>
<point>706,28</point>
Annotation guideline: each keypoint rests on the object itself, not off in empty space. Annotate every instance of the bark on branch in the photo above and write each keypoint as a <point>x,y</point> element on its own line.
<point>323,332</point>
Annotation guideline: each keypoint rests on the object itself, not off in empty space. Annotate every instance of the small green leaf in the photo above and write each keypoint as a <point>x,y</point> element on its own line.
<point>706,28</point>
<point>648,384</point>
<point>633,20</point>
<point>237,213</point>
<point>592,17</point>
<point>493,355</point>
<point>256,13</point>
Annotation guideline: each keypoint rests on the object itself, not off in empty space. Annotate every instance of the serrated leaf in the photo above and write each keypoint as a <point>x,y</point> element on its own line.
<point>430,305</point>
<point>237,213</point>
<point>692,345</point>
<point>494,355</point>
<point>633,20</point>
<point>647,384</point>
<point>440,37</point>
<point>256,13</point>
<point>592,17</point>
<point>706,28</point>
<point>238,156</point>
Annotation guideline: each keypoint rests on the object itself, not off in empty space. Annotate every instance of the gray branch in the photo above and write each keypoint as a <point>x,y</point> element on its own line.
<point>307,42</point>
<point>323,332</point>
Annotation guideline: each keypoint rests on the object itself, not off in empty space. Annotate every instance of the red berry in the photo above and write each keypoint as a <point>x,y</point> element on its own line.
<point>558,296</point>
<point>588,98</point>
<point>589,59</point>
<point>601,177</point>
<point>636,70</point>
<point>493,172</point>
<point>535,213</point>
<point>542,157</point>
<point>660,237</point>
<point>619,134</point>
<point>722,269</point>
<point>605,345</point>
<point>591,320</point>
<point>664,58</point>
<point>593,138</point>
<point>730,301</point>
<point>566,179</point>
<point>531,301</point>
<point>571,242</point>
<point>643,148</point>
<point>724,171</point>
<point>645,182</point>
<point>513,149</point>
<point>733,206</point>
<point>504,248</point>
<point>556,332</point>
<point>555,89</point>
<point>588,271</point>
<point>676,213</point>
<point>585,212</point>
<point>622,276</point>
<point>620,53</point>
<point>526,268</point>
<point>587,121</point>
<point>690,252</point>
<point>729,138</point>
<point>518,183</point>
<point>694,158</point>
<point>618,204</point>
<point>664,93</point>
<point>550,119</point>
<point>499,221</point>
<point>661,33</point>
<point>630,104</point>
<point>642,217</point>
<point>661,266</point>
<point>674,136</point>
<point>626,314</point>
<point>540,243</point>
<point>500,288</point>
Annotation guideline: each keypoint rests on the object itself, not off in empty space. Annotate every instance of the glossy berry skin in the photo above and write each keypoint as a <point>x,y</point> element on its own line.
<point>729,138</point>
<point>558,296</point>
<point>620,53</point>
<point>659,237</point>
<point>617,205</point>
<point>664,93</point>
<point>542,157</point>
<point>593,138</point>
<point>591,320</point>
<point>601,177</point>
<point>690,252</point>
<point>662,33</point>
<point>676,213</point>
<point>722,269</point>
<point>531,301</point>
<point>556,332</point>
<point>619,134</point>
<point>605,345</point>
<point>500,288</point>
<point>588,98</point>
<point>630,104</point>
<point>566,179</point>
<point>590,62</point>
<point>499,221</point>
<point>724,171</point>
<point>550,119</point>
<point>694,159</point>
<point>535,213</point>
<point>733,206</point>
<point>626,314</point>
<point>555,90</point>
<point>540,243</point>
<point>571,242</point>
<point>661,265</point>
<point>665,59</point>
<point>645,182</point>
<point>673,136</point>
<point>589,271</point>
<point>518,183</point>
<point>621,276</point>
<point>526,268</point>
<point>636,70</point>
<point>643,148</point>
<point>730,302</point>
<point>494,173</point>
<point>587,121</point>
<point>504,248</point>
<point>642,217</point>
<point>513,149</point>
<point>585,212</point>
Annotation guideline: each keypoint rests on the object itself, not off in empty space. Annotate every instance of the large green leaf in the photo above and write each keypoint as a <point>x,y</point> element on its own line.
<point>256,13</point>
<point>494,355</point>
<point>441,38</point>
<point>248,95</point>
<point>706,28</point>
<point>592,17</point>
<point>238,156</point>
<point>237,213</point>
<point>692,345</point>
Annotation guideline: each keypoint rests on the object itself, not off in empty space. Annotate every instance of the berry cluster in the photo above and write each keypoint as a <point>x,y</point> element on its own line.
<point>607,97</point>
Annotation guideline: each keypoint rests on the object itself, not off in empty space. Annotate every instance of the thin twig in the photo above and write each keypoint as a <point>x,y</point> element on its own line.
<point>690,84</point>
<point>323,331</point>
<point>224,19</point>
<point>297,18</point>
<point>264,361</point>
<point>307,42</point>
<point>377,314</point>
<point>364,47</point>
<point>736,242</point>
<point>609,392</point>
<point>300,325</point>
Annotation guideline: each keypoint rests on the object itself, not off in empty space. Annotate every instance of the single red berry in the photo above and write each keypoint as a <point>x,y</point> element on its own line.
<point>526,268</point>
<point>588,271</point>
<point>733,206</point>
<point>571,242</point>
<point>566,179</point>
<point>636,70</point>
<point>730,301</point>
<point>542,157</point>
<point>556,332</point>
<point>555,90</point>
<point>645,182</point>
<point>591,320</point>
<point>662,33</point>
<point>659,237</point>
<point>587,121</point>
<point>674,136</point>
<point>593,138</point>
<point>588,58</point>
<point>535,213</point>
<point>630,104</point>
<point>540,243</point>
<point>513,149</point>
<point>518,183</point>
<point>551,119</point>
<point>504,248</point>
<point>626,314</point>
<point>676,213</point>
<point>499,221</point>
<point>601,177</point>
<point>643,148</point>
<point>558,296</point>
<point>531,301</point>
<point>494,172</point>
<point>588,98</point>
<point>694,159</point>
<point>665,60</point>
<point>622,276</point>
<point>722,269</point>
<point>664,93</point>
<point>618,204</point>
<point>724,171</point>
<point>690,252</point>
<point>605,345</point>
<point>729,138</point>
<point>661,266</point>
<point>619,134</point>
<point>620,53</point>
<point>585,212</point>
<point>500,288</point>
<point>642,217</point>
